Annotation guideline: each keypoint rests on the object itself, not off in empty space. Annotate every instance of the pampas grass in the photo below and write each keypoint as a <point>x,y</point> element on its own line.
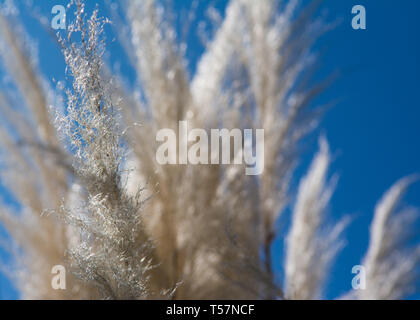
<point>93,198</point>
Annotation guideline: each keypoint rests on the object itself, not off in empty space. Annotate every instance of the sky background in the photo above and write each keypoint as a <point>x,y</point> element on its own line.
<point>373,131</point>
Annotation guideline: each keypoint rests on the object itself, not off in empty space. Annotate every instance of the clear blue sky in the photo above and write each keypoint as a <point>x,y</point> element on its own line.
<point>374,129</point>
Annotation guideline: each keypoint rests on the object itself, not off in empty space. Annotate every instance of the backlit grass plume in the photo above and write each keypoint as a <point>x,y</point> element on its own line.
<point>90,195</point>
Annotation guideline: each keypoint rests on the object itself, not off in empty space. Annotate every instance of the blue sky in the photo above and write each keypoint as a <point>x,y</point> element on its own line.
<point>374,129</point>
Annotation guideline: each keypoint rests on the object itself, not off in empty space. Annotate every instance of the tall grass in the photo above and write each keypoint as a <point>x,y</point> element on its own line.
<point>93,198</point>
